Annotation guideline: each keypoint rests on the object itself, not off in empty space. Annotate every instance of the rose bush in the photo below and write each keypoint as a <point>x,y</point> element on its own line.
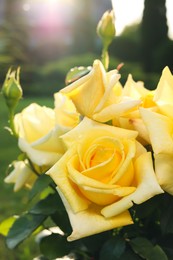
<point>104,171</point>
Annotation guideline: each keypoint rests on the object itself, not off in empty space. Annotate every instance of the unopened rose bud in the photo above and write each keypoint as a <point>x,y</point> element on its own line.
<point>106,27</point>
<point>11,89</point>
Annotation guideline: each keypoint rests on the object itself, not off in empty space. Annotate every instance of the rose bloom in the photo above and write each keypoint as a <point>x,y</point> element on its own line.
<point>98,95</point>
<point>39,129</point>
<point>22,175</point>
<point>104,171</point>
<point>132,118</point>
<point>159,124</point>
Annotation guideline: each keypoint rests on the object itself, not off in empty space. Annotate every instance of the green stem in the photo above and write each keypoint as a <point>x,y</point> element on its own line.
<point>11,122</point>
<point>105,56</point>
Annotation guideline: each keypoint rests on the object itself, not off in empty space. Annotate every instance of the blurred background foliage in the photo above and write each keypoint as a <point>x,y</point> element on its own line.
<point>46,43</point>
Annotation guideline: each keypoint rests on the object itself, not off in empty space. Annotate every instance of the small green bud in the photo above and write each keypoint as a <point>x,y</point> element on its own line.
<point>11,88</point>
<point>106,27</point>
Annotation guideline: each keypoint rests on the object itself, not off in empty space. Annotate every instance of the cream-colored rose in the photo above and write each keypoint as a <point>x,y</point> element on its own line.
<point>104,171</point>
<point>39,129</point>
<point>22,175</point>
<point>98,95</point>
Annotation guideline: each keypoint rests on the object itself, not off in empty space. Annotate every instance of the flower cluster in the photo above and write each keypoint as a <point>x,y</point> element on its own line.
<point>100,156</point>
<point>106,147</point>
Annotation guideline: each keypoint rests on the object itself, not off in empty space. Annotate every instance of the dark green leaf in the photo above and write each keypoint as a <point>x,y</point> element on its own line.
<point>94,243</point>
<point>22,228</point>
<point>112,249</point>
<point>61,219</point>
<point>144,248</point>
<point>47,206</point>
<point>76,73</point>
<point>147,208</point>
<point>129,255</point>
<point>54,246</point>
<point>166,243</point>
<point>41,183</point>
<point>157,253</point>
<point>141,246</point>
<point>166,222</point>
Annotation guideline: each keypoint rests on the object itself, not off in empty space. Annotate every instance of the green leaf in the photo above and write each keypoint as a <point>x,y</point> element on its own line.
<point>130,255</point>
<point>60,218</point>
<point>158,253</point>
<point>141,246</point>
<point>112,249</point>
<point>22,228</point>
<point>6,225</point>
<point>148,208</point>
<point>144,248</point>
<point>166,222</point>
<point>47,206</point>
<point>40,184</point>
<point>76,73</point>
<point>54,246</point>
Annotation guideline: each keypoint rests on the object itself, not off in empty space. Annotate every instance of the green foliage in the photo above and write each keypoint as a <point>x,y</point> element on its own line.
<point>113,249</point>
<point>154,31</point>
<point>144,248</point>
<point>22,228</point>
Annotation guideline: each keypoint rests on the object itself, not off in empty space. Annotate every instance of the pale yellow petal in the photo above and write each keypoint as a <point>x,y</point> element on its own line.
<point>39,157</point>
<point>116,110</point>
<point>133,89</point>
<point>21,175</point>
<point>87,125</point>
<point>147,187</point>
<point>65,111</point>
<point>90,221</point>
<point>164,91</point>
<point>164,171</point>
<point>160,130</point>
<point>52,141</point>
<point>87,92</point>
<point>136,124</point>
<point>59,173</point>
<point>34,122</point>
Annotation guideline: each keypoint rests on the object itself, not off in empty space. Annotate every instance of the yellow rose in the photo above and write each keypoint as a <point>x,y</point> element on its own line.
<point>97,95</point>
<point>104,171</point>
<point>159,124</point>
<point>131,119</point>
<point>39,129</point>
<point>21,176</point>
<point>160,129</point>
<point>65,111</point>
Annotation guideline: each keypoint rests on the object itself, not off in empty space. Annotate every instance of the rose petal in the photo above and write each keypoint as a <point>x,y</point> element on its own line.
<point>164,171</point>
<point>164,91</point>
<point>90,222</point>
<point>147,187</point>
<point>83,91</point>
<point>77,133</point>
<point>59,174</point>
<point>160,130</point>
<point>116,110</point>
